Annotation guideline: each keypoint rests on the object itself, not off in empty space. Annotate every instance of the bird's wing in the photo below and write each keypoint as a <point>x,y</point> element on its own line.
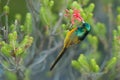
<point>69,37</point>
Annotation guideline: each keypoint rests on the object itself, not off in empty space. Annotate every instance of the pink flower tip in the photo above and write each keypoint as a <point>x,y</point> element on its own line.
<point>75,15</point>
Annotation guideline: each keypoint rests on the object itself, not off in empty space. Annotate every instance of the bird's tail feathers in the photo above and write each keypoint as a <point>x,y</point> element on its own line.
<point>58,58</point>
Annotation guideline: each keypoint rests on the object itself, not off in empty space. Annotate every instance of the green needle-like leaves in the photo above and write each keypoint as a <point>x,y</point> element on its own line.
<point>84,65</point>
<point>94,66</point>
<point>111,63</point>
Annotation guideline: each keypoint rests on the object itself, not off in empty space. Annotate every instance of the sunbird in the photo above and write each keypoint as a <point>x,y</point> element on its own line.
<point>74,36</point>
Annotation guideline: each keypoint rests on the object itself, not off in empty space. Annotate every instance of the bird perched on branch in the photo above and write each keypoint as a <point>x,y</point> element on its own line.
<point>74,36</point>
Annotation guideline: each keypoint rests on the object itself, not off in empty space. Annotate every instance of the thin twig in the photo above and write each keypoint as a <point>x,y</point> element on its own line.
<point>60,18</point>
<point>32,7</point>
<point>57,24</point>
<point>43,55</point>
<point>7,2</point>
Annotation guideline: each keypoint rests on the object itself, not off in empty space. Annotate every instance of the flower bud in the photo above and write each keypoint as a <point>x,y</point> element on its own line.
<point>6,9</point>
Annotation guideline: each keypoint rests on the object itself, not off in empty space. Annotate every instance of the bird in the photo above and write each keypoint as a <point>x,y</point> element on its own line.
<point>73,36</point>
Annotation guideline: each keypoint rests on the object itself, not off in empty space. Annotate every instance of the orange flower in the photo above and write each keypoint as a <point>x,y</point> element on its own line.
<point>67,13</point>
<point>75,16</point>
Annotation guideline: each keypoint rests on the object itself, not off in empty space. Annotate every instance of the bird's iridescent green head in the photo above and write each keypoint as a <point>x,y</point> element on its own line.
<point>83,31</point>
<point>86,26</point>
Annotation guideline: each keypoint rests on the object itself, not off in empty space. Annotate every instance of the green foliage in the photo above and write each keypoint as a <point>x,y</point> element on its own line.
<point>14,46</point>
<point>6,9</point>
<point>28,24</point>
<point>14,42</point>
<point>10,75</point>
<point>116,42</point>
<point>46,8</point>
<point>85,65</point>
<point>94,65</point>
<point>118,10</point>
<point>18,17</point>
<point>89,63</point>
<point>111,63</point>
<point>75,5</point>
<point>85,2</point>
<point>27,73</point>
<point>6,49</point>
<point>91,39</point>
<point>100,29</point>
